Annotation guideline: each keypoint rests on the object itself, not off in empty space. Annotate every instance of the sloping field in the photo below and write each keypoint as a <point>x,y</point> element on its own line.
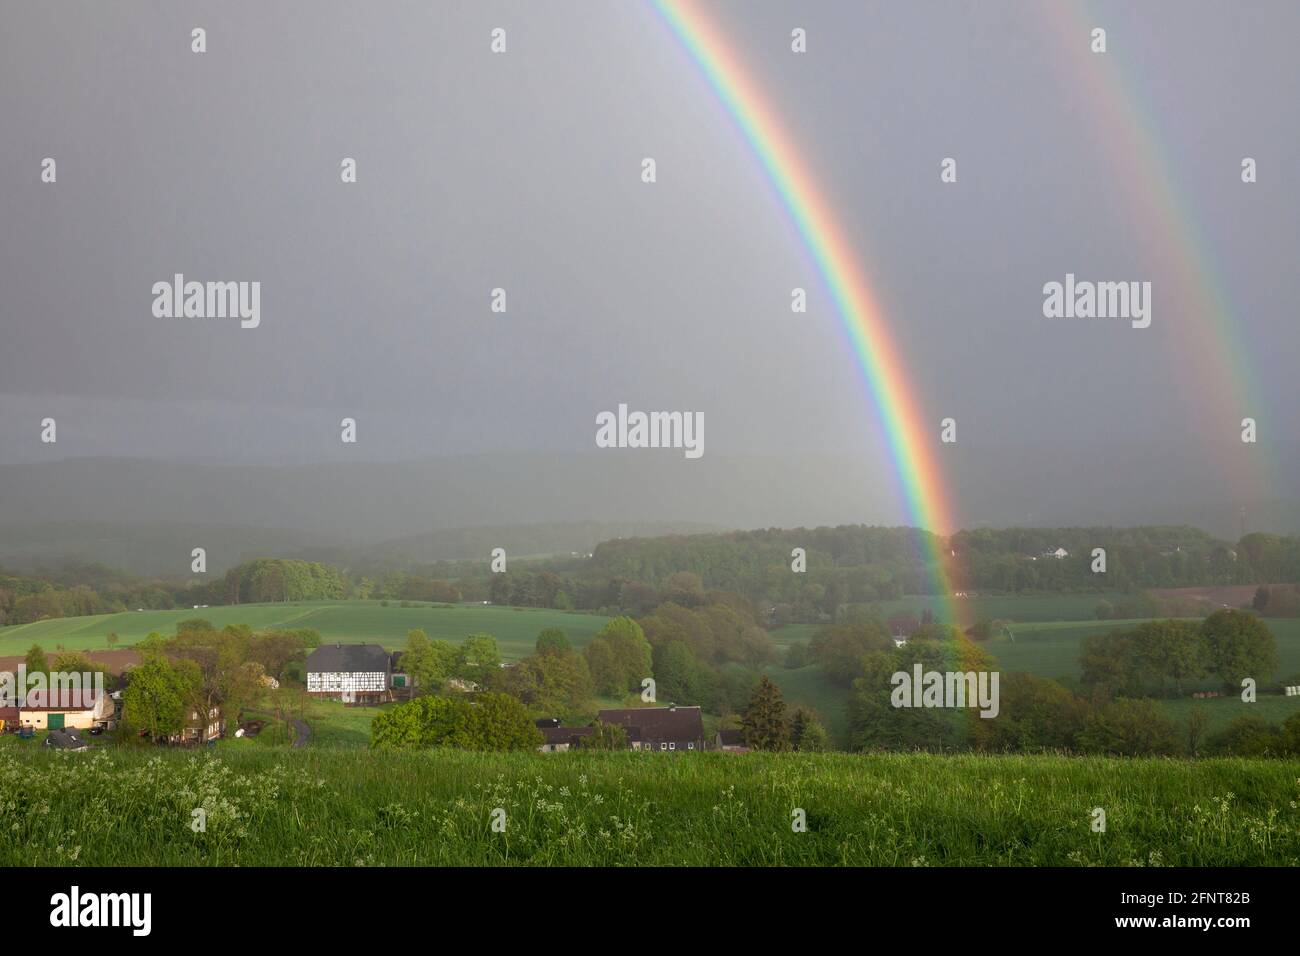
<point>348,622</point>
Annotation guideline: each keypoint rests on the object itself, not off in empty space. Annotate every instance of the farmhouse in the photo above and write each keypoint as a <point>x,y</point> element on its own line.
<point>353,673</point>
<point>659,728</point>
<point>199,730</point>
<point>57,709</point>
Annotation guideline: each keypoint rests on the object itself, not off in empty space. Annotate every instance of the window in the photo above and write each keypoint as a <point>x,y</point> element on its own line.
<point>663,746</point>
<point>691,745</point>
<point>672,746</point>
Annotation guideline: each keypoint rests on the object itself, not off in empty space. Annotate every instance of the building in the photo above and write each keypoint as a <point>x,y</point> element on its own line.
<point>659,728</point>
<point>353,673</point>
<point>559,739</point>
<point>59,709</point>
<point>66,740</point>
<point>199,730</point>
<point>1058,553</point>
<point>731,741</point>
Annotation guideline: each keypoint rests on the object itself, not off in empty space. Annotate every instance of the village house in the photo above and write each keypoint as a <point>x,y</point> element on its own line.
<point>199,730</point>
<point>557,739</point>
<point>659,728</point>
<point>560,739</point>
<point>55,710</point>
<point>352,673</point>
<point>731,741</point>
<point>668,728</point>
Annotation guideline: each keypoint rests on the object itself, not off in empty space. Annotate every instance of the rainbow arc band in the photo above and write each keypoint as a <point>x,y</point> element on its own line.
<point>913,444</point>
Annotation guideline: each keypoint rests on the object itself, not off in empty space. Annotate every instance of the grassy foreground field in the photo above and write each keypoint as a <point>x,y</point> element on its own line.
<point>348,622</point>
<point>346,808</point>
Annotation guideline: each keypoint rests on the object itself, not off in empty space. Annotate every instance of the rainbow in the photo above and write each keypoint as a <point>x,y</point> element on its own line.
<point>1219,373</point>
<point>912,438</point>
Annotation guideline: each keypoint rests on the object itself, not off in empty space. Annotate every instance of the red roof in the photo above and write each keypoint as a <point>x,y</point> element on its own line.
<point>60,699</point>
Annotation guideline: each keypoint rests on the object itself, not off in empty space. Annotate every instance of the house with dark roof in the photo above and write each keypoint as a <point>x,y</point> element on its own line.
<point>558,739</point>
<point>668,728</point>
<point>731,741</point>
<point>68,739</point>
<point>352,673</point>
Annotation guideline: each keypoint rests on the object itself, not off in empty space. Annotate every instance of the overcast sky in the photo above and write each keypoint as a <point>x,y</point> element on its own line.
<point>522,171</point>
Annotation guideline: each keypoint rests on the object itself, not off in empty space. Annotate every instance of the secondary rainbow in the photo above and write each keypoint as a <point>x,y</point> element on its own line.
<point>1221,376</point>
<point>913,440</point>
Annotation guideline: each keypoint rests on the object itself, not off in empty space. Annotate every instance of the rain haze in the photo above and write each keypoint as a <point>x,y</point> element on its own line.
<point>522,172</point>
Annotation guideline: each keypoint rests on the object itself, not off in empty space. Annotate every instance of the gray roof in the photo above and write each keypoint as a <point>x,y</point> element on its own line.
<point>349,659</point>
<point>66,739</point>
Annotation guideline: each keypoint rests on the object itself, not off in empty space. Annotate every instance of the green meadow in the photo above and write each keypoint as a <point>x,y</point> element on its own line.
<point>348,622</point>
<point>268,806</point>
<point>1008,607</point>
<point>1050,649</point>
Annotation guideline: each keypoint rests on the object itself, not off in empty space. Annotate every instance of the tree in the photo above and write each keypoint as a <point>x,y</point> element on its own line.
<point>1035,713</point>
<point>155,698</point>
<point>553,639</point>
<point>1240,645</point>
<point>429,663</point>
<point>764,725</point>
<point>480,659</point>
<point>275,650</point>
<point>631,651</point>
<point>604,670</point>
<point>1290,737</point>
<point>75,662</point>
<point>1130,728</point>
<point>1163,651</point>
<point>604,737</point>
<point>220,658</point>
<point>839,648</point>
<point>36,661</point>
<point>551,683</point>
<point>1260,600</point>
<point>807,732</point>
<point>679,677</point>
<point>1248,736</point>
<point>685,588</point>
<point>875,723</point>
<point>492,722</point>
<point>111,640</point>
<point>1104,662</point>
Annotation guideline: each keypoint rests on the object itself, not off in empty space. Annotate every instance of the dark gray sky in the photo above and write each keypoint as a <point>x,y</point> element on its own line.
<point>522,171</point>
